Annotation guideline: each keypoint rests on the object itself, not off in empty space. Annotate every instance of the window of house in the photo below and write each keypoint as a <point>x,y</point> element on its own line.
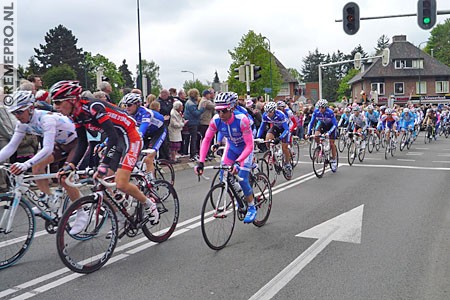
<point>284,90</point>
<point>441,87</point>
<point>409,64</point>
<point>378,86</point>
<point>423,87</point>
<point>417,64</point>
<point>399,88</point>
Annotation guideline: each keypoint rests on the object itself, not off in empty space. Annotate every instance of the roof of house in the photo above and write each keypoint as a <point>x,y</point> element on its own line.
<point>400,48</point>
<point>285,75</point>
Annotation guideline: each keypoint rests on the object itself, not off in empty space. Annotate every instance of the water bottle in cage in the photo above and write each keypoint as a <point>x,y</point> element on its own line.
<point>54,201</point>
<point>326,145</point>
<point>236,186</point>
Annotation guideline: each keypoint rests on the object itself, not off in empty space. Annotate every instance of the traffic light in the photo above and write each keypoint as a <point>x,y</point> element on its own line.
<point>254,75</point>
<point>241,72</point>
<point>426,13</point>
<point>351,18</point>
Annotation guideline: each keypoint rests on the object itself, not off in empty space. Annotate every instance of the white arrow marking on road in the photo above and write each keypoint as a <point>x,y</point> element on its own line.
<point>344,228</point>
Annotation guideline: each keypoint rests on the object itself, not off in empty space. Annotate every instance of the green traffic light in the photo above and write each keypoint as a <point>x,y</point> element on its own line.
<point>426,20</point>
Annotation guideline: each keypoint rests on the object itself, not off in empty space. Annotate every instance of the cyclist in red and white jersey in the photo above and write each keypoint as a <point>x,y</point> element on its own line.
<point>123,145</point>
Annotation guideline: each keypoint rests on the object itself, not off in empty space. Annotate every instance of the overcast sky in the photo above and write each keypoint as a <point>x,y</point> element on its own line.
<point>196,35</point>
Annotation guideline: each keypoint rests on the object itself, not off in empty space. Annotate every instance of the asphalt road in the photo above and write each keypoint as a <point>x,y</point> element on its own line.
<point>393,245</point>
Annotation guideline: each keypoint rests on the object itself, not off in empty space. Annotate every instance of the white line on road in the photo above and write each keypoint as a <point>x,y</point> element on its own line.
<point>441,161</point>
<point>403,167</point>
<point>421,148</point>
<point>401,159</point>
<point>414,153</point>
<point>446,154</point>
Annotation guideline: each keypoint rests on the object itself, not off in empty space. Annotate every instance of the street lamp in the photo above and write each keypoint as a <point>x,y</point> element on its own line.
<point>418,65</point>
<point>270,66</point>
<point>186,71</point>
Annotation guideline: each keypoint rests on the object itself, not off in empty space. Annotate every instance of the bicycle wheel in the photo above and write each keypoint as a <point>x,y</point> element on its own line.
<point>383,139</point>
<point>387,150</point>
<point>263,167</point>
<point>164,171</point>
<point>166,199</point>
<point>377,142</point>
<point>295,153</point>
<point>218,224</point>
<point>312,147</point>
<point>393,146</point>
<point>409,140</point>
<point>342,142</point>
<point>370,143</point>
<point>268,157</point>
<point>403,141</point>
<point>319,162</point>
<point>91,253</point>
<point>263,198</point>
<point>426,136</point>
<point>351,153</point>
<point>15,242</point>
<point>361,152</point>
<point>446,132</point>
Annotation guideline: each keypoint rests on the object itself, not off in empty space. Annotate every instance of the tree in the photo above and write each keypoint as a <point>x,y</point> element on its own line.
<point>439,41</point>
<point>151,70</point>
<point>33,67</point>
<point>126,75</point>
<point>58,73</point>
<point>296,74</point>
<point>310,68</point>
<point>253,48</point>
<point>197,84</point>
<point>344,88</point>
<point>60,48</point>
<point>382,43</point>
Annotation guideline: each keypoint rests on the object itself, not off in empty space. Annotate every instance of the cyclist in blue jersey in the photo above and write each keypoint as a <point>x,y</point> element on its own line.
<point>327,124</point>
<point>345,117</point>
<point>407,120</point>
<point>278,132</point>
<point>235,127</point>
<point>151,127</point>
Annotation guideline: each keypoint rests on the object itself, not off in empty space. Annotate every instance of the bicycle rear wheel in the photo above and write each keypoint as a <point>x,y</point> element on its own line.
<point>383,139</point>
<point>393,146</point>
<point>263,198</point>
<point>272,173</point>
<point>15,243</point>
<point>89,250</point>
<point>295,153</point>
<point>403,141</point>
<point>370,143</point>
<point>164,171</point>
<point>377,142</point>
<point>361,152</point>
<point>312,147</point>
<point>351,153</point>
<point>263,166</point>
<point>166,199</point>
<point>342,142</point>
<point>319,162</point>
<point>218,224</point>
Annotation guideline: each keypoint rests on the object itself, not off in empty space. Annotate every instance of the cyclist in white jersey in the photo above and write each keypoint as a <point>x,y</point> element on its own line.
<point>59,139</point>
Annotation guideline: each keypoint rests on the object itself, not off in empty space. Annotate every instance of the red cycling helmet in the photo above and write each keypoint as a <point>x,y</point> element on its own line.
<point>65,89</point>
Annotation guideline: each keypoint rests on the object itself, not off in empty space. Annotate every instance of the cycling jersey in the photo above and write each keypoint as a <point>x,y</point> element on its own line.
<point>357,122</point>
<point>327,119</point>
<point>292,122</point>
<point>278,121</point>
<point>148,120</point>
<point>123,138</point>
<point>372,118</point>
<point>53,127</point>
<point>239,145</point>
<point>388,121</point>
<point>343,122</point>
<point>407,120</point>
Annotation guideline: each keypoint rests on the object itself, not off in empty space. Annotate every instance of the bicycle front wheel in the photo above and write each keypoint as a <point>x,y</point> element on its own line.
<point>218,217</point>
<point>319,162</point>
<point>263,198</point>
<point>342,142</point>
<point>295,153</point>
<point>351,153</point>
<point>312,147</point>
<point>15,242</point>
<point>370,143</point>
<point>403,141</point>
<point>272,173</point>
<point>166,199</point>
<point>88,250</point>
<point>164,171</point>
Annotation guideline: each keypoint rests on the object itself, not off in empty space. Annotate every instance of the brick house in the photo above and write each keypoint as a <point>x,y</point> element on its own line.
<point>411,75</point>
<point>289,84</point>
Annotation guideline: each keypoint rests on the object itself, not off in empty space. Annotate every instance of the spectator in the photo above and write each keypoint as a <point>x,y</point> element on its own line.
<point>106,87</point>
<point>43,101</point>
<point>207,114</point>
<point>100,95</point>
<point>36,80</point>
<point>177,123</point>
<point>182,97</point>
<point>173,93</point>
<point>136,91</point>
<point>166,104</point>
<point>26,85</point>
<point>149,100</point>
<point>192,114</point>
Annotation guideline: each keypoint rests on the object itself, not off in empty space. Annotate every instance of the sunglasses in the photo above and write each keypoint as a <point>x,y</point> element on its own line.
<point>130,104</point>
<point>224,111</point>
<point>18,112</point>
<point>59,101</point>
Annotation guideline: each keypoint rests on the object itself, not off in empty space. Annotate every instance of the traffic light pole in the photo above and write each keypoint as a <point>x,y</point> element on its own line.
<point>439,12</point>
<point>247,78</point>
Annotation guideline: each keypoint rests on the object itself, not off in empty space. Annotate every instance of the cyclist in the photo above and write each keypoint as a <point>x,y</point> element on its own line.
<point>430,119</point>
<point>59,141</point>
<point>343,121</point>
<point>122,147</point>
<point>151,128</point>
<point>327,124</point>
<point>278,132</point>
<point>389,122</point>
<point>358,124</point>
<point>407,119</point>
<point>281,106</point>
<point>235,127</point>
<point>372,117</point>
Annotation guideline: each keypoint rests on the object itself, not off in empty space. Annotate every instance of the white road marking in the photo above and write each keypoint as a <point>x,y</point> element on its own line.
<point>414,153</point>
<point>401,159</point>
<point>441,161</point>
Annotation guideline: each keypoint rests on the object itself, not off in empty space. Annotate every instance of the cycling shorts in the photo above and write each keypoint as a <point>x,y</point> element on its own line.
<point>230,154</point>
<point>127,152</point>
<point>277,131</point>
<point>324,128</point>
<point>155,139</point>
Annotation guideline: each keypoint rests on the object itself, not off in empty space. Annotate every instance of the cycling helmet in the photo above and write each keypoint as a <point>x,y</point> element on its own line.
<point>270,107</point>
<point>370,107</point>
<point>406,110</point>
<point>281,104</point>
<point>389,111</point>
<point>382,107</point>
<point>357,108</point>
<point>225,100</point>
<point>322,103</point>
<point>131,98</point>
<point>65,89</point>
<point>346,110</point>
<point>20,100</point>
<point>429,110</point>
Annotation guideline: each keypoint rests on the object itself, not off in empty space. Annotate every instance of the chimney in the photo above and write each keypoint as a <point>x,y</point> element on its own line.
<point>399,38</point>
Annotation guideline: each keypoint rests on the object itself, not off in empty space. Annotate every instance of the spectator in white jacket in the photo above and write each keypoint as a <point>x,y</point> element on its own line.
<point>176,124</point>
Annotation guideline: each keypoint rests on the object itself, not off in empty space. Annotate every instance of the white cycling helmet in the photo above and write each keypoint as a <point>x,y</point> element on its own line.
<point>225,100</point>
<point>370,107</point>
<point>281,103</point>
<point>322,103</point>
<point>270,106</point>
<point>357,108</point>
<point>20,100</point>
<point>131,98</point>
<point>406,110</point>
